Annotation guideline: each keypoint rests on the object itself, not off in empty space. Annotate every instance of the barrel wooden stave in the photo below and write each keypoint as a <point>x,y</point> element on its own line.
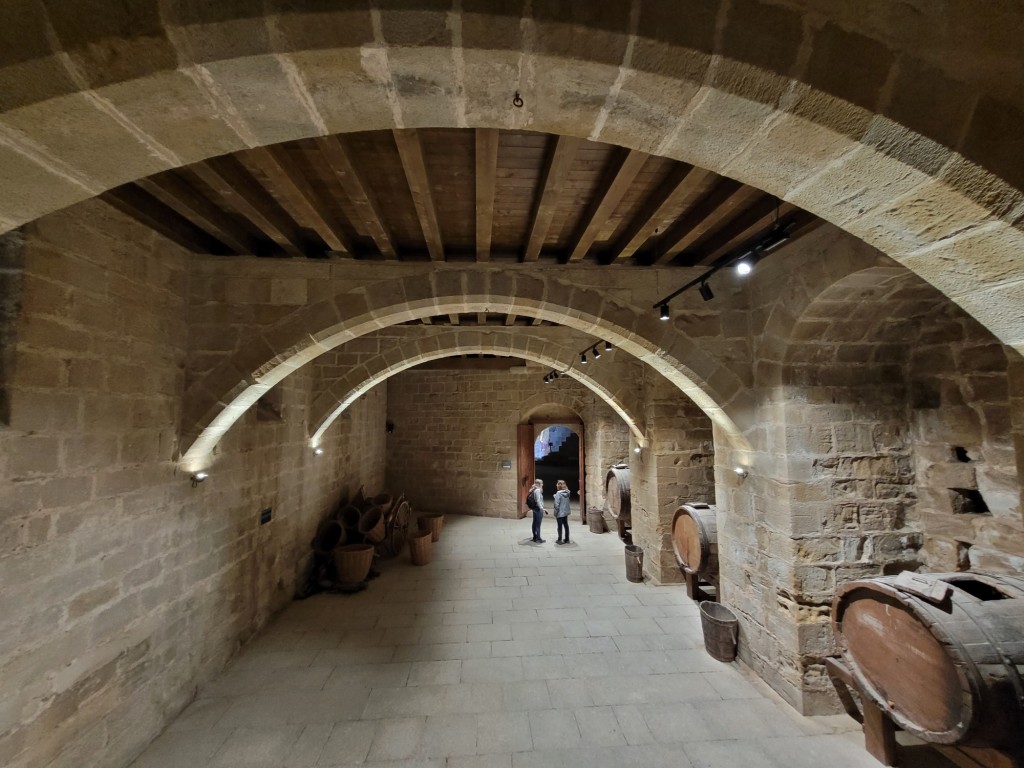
<point>938,670</point>
<point>616,491</point>
<point>695,539</point>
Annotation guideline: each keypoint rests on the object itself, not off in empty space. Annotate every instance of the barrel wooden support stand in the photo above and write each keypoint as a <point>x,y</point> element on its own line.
<point>880,730</point>
<point>698,589</point>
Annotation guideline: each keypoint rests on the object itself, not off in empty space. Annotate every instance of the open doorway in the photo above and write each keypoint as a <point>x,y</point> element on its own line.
<point>555,452</point>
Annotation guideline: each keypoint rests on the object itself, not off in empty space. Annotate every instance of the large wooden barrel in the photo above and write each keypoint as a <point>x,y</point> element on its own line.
<point>945,667</point>
<point>616,491</point>
<point>695,539</point>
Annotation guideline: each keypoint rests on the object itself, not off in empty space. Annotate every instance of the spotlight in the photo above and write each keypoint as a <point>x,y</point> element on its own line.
<point>547,380</point>
<point>607,346</point>
<point>198,477</point>
<point>664,312</point>
<point>744,267</point>
<point>705,292</point>
<point>583,358</point>
<point>741,471</point>
<point>595,353</point>
<point>318,451</point>
<point>637,449</point>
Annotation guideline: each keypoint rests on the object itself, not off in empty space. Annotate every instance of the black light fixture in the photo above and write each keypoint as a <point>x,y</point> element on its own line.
<point>607,346</point>
<point>664,311</point>
<point>197,478</point>
<point>595,352</point>
<point>583,358</point>
<point>705,292</point>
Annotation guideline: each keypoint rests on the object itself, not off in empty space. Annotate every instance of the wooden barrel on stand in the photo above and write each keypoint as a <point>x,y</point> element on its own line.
<point>695,539</point>
<point>939,653</point>
<point>616,492</point>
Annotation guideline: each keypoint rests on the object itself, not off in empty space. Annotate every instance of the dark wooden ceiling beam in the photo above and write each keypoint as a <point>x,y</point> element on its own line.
<point>411,153</point>
<point>236,188</point>
<point>554,175</point>
<point>184,200</point>
<point>622,170</point>
<point>486,176</point>
<point>147,210</point>
<point>697,220</point>
<point>756,219</point>
<point>683,184</point>
<point>358,191</point>
<point>296,196</point>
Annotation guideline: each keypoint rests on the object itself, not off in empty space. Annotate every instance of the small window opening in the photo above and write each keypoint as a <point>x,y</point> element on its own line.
<point>967,501</point>
<point>960,454</point>
<point>963,556</point>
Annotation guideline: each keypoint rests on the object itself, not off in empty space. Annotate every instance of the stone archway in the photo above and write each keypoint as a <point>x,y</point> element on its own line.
<point>837,114</point>
<point>330,404</point>
<point>215,402</point>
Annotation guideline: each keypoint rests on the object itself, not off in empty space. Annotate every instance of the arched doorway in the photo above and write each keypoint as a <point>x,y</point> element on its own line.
<point>558,455</point>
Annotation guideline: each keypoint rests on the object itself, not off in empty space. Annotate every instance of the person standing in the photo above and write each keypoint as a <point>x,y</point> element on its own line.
<point>535,501</point>
<point>562,511</point>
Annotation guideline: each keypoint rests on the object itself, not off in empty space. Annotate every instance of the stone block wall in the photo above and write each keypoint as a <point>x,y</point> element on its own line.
<point>677,467</point>
<point>452,433</point>
<point>122,587</point>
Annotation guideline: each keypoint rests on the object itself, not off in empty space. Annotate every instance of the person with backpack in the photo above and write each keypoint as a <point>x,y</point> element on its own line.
<point>562,511</point>
<point>535,501</point>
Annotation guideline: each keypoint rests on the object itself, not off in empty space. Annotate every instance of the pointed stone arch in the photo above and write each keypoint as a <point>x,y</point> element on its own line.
<point>215,402</point>
<point>330,404</point>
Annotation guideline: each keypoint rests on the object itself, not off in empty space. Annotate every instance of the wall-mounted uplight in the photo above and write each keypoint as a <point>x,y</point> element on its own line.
<point>637,449</point>
<point>198,477</point>
<point>318,451</point>
<point>741,472</point>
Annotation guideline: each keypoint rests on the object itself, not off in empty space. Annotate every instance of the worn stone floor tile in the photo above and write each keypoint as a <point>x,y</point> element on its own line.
<point>191,748</point>
<point>525,695</point>
<point>396,738</point>
<point>435,672</point>
<point>478,633</point>
<point>256,747</point>
<point>309,746</point>
<point>554,729</point>
<point>348,743</point>
<point>449,736</point>
<point>201,714</point>
<point>495,670</point>
<point>599,726</point>
<point>503,732</point>
<point>493,760</point>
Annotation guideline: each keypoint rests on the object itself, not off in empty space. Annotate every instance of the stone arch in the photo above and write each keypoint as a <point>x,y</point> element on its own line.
<point>329,405</point>
<point>531,406</point>
<point>215,402</point>
<point>838,114</point>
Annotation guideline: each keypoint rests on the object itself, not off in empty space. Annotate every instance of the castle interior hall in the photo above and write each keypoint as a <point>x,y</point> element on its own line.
<point>305,307</point>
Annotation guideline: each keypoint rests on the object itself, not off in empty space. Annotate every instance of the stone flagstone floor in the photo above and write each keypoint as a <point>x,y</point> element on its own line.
<point>499,654</point>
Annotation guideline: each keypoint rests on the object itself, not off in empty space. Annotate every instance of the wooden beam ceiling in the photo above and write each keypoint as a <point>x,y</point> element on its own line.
<point>447,194</point>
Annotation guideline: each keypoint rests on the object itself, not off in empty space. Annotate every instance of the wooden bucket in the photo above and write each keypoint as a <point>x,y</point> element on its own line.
<point>353,562</point>
<point>634,564</point>
<point>371,525</point>
<point>596,521</point>
<point>432,523</point>
<point>721,630</point>
<point>328,536</point>
<point>419,547</point>
<point>616,491</point>
<point>695,539</point>
<point>939,653</point>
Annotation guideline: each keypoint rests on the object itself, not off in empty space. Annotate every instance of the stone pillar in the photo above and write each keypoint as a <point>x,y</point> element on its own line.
<point>676,467</point>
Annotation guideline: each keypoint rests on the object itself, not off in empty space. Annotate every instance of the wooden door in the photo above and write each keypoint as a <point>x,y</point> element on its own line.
<point>524,466</point>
